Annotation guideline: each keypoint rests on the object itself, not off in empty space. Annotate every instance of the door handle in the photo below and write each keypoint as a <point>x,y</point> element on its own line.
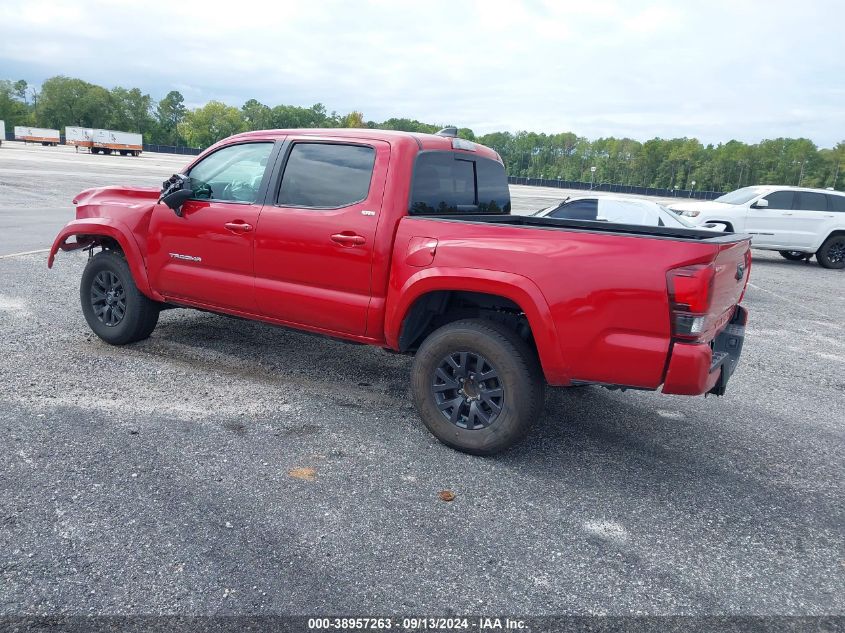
<point>238,227</point>
<point>347,238</point>
<point>789,214</point>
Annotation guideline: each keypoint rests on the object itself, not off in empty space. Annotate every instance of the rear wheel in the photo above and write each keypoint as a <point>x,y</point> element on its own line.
<point>477,386</point>
<point>794,256</point>
<point>832,252</point>
<point>114,308</point>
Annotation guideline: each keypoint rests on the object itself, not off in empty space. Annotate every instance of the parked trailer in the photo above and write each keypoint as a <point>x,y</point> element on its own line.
<point>79,136</point>
<point>36,135</point>
<point>2,132</point>
<point>108,141</point>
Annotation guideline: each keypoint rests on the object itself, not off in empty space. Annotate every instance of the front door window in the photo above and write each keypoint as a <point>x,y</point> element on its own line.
<point>232,174</point>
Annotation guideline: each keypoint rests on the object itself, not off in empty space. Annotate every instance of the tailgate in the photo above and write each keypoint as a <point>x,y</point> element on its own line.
<point>733,267</point>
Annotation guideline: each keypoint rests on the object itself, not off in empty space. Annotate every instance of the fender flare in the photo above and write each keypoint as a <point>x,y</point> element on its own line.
<point>517,288</point>
<point>106,227</point>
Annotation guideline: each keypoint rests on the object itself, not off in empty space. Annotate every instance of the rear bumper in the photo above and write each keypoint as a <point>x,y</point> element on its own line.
<point>700,368</point>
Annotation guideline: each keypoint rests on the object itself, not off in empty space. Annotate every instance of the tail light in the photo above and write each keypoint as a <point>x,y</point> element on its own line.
<point>747,274</point>
<point>690,294</point>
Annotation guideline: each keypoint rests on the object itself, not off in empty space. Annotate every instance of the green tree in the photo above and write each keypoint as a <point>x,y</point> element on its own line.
<point>131,110</point>
<point>408,125</point>
<point>288,116</point>
<point>353,119</point>
<point>20,89</point>
<point>207,125</point>
<point>65,101</point>
<point>256,115</point>
<point>12,111</point>
<point>169,113</point>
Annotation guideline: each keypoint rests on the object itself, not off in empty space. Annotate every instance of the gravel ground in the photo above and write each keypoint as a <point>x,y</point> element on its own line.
<point>228,467</point>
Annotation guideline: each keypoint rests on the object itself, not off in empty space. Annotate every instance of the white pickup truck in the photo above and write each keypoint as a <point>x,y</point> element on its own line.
<point>798,222</point>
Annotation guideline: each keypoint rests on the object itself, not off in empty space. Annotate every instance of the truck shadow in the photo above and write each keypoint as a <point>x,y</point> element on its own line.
<point>698,459</point>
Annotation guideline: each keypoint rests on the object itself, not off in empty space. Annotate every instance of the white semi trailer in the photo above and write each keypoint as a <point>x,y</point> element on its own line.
<point>79,136</point>
<point>108,141</point>
<point>2,132</point>
<point>41,135</point>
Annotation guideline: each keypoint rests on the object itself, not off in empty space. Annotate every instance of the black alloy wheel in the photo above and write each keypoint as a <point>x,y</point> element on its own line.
<point>108,298</point>
<point>832,252</point>
<point>477,385</point>
<point>467,390</point>
<point>114,308</point>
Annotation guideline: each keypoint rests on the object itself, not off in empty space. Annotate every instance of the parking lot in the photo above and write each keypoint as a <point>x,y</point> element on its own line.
<point>225,466</point>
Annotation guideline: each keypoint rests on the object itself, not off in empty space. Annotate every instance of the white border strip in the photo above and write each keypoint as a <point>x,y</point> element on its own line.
<point>40,250</point>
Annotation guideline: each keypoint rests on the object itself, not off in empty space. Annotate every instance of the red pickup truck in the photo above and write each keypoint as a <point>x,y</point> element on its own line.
<point>406,241</point>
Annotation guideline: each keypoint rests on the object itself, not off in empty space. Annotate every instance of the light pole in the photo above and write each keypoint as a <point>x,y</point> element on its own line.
<point>693,188</point>
<point>592,174</point>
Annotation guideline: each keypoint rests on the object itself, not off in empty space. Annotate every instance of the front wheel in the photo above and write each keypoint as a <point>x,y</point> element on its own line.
<point>114,308</point>
<point>794,256</point>
<point>832,252</point>
<point>477,386</point>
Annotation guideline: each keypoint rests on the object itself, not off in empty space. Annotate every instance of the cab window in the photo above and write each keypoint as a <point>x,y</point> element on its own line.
<point>231,174</point>
<point>454,183</point>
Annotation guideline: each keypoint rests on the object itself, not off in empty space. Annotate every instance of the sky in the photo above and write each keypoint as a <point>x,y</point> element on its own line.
<point>715,70</point>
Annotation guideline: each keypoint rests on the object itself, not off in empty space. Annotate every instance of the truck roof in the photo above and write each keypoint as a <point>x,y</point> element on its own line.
<point>423,141</point>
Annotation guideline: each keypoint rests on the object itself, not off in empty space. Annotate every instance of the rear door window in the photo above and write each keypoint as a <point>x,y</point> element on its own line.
<point>452,183</point>
<point>836,203</point>
<point>811,201</point>
<point>326,175</point>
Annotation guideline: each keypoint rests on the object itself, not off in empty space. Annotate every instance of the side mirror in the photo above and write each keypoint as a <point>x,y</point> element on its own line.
<point>175,191</point>
<point>175,199</point>
<point>762,203</point>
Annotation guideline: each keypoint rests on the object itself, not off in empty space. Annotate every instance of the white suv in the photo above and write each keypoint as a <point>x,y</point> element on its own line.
<point>796,221</point>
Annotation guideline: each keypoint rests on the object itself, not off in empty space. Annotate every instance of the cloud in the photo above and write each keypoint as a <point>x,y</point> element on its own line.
<point>716,70</point>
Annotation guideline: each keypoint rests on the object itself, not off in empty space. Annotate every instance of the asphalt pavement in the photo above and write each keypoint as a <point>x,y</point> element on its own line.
<point>228,467</point>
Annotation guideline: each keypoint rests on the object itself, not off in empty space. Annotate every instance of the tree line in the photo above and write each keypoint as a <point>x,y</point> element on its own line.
<point>666,163</point>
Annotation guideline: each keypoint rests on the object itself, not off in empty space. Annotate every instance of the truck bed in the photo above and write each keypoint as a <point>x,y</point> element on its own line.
<point>607,315</point>
<point>529,221</point>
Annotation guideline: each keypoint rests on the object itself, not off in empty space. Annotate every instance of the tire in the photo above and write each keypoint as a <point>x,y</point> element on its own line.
<point>106,287</point>
<point>794,256</point>
<point>832,252</point>
<point>463,349</point>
